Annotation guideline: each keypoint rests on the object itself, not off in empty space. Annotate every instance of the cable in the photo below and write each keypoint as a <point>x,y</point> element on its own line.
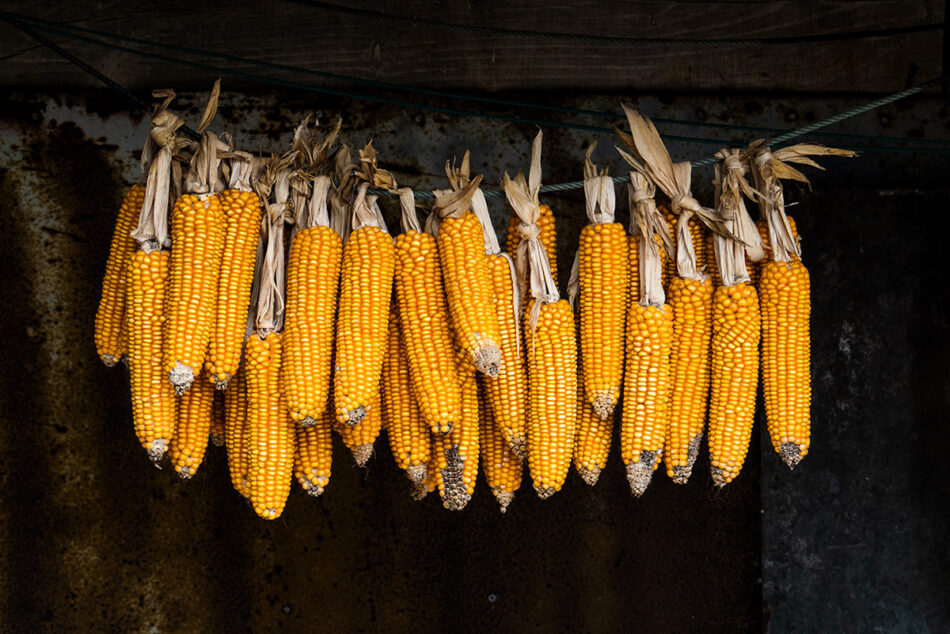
<point>444,94</point>
<point>609,39</point>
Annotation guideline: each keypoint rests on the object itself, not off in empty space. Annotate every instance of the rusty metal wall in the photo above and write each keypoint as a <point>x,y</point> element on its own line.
<point>93,538</point>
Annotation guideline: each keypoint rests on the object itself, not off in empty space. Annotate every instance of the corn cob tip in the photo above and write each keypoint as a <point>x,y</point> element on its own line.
<point>185,472</point>
<point>355,416</point>
<point>589,476</point>
<point>362,454</point>
<point>109,360</point>
<point>157,451</point>
<point>718,476</point>
<point>544,492</point>
<point>307,421</point>
<point>519,446</point>
<point>791,454</point>
<point>445,429</point>
<point>221,381</point>
<point>487,359</point>
<point>315,484</point>
<point>681,473</point>
<point>417,473</point>
<point>181,377</point>
<point>419,491</point>
<point>217,441</point>
<point>604,404</point>
<point>504,498</point>
<point>454,496</point>
<point>640,473</point>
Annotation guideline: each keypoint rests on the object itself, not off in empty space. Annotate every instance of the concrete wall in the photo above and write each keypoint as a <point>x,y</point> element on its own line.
<point>94,538</point>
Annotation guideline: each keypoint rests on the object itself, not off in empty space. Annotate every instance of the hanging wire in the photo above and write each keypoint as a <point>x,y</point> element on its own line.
<point>610,39</point>
<point>441,93</point>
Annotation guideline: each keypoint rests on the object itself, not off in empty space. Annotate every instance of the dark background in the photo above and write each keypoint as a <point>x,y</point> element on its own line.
<point>93,538</point>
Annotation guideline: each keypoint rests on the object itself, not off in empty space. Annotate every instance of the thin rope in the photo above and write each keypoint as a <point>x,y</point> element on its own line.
<point>611,39</point>
<point>445,94</point>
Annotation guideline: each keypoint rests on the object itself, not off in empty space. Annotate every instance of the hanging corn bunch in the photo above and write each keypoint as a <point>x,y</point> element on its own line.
<point>408,432</point>
<point>736,326</point>
<point>270,440</point>
<point>507,393</point>
<point>363,318</point>
<point>785,302</point>
<point>241,208</point>
<point>109,330</point>
<point>153,398</point>
<point>424,319</point>
<point>468,282</point>
<point>549,339</point>
<point>197,233</point>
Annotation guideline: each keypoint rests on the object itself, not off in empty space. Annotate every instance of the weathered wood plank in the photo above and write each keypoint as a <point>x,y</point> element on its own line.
<point>340,43</point>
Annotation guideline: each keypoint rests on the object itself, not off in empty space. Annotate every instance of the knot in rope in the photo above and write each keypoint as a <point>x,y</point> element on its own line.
<point>528,232</point>
<point>684,202</point>
<point>639,195</point>
<point>732,162</point>
<point>762,158</point>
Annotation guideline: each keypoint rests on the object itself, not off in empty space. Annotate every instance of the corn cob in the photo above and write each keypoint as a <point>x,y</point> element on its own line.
<point>507,393</point>
<point>601,260</point>
<point>457,452</point>
<point>548,236</point>
<point>313,282</point>
<point>361,336</point>
<point>501,466</point>
<point>313,454</point>
<point>242,216</point>
<point>408,433</point>
<point>195,410</point>
<point>153,399</point>
<point>110,316</point>
<point>235,431</point>
<point>592,445</point>
<point>424,318</point>
<point>217,420</point>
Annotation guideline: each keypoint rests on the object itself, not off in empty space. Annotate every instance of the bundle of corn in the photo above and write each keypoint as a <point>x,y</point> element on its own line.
<point>550,341</point>
<point>270,438</point>
<point>407,431</point>
<point>153,398</point>
<point>600,271</point>
<point>456,454</point>
<point>198,232</point>
<point>500,464</point>
<point>110,336</point>
<point>507,393</point>
<point>468,281</point>
<point>736,327</point>
<point>649,335</point>
<point>363,326</point>
<point>690,294</point>
<point>424,319</point>
<point>548,236</point>
<point>241,207</point>
<point>365,293</point>
<point>785,302</point>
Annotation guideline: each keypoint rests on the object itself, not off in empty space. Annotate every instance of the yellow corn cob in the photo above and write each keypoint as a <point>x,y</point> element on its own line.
<point>457,452</point>
<point>735,356</point>
<point>153,399</point>
<point>365,293</point>
<point>602,258</point>
<point>552,393</point>
<point>360,438</point>
<point>408,433</point>
<point>592,445</point>
<point>712,267</point>
<point>217,420</point>
<point>508,392</point>
<point>501,466</point>
<point>633,270</point>
<point>691,303</point>
<point>755,270</point>
<point>270,431</point>
<point>424,317</point>
<point>313,454</point>
<point>110,317</point>
<point>548,236</point>
<point>195,410</point>
<point>242,214</point>
<point>646,396</point>
<point>235,431</point>
<point>197,243</point>
<point>313,282</point>
<point>468,288</point>
<point>785,301</point>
